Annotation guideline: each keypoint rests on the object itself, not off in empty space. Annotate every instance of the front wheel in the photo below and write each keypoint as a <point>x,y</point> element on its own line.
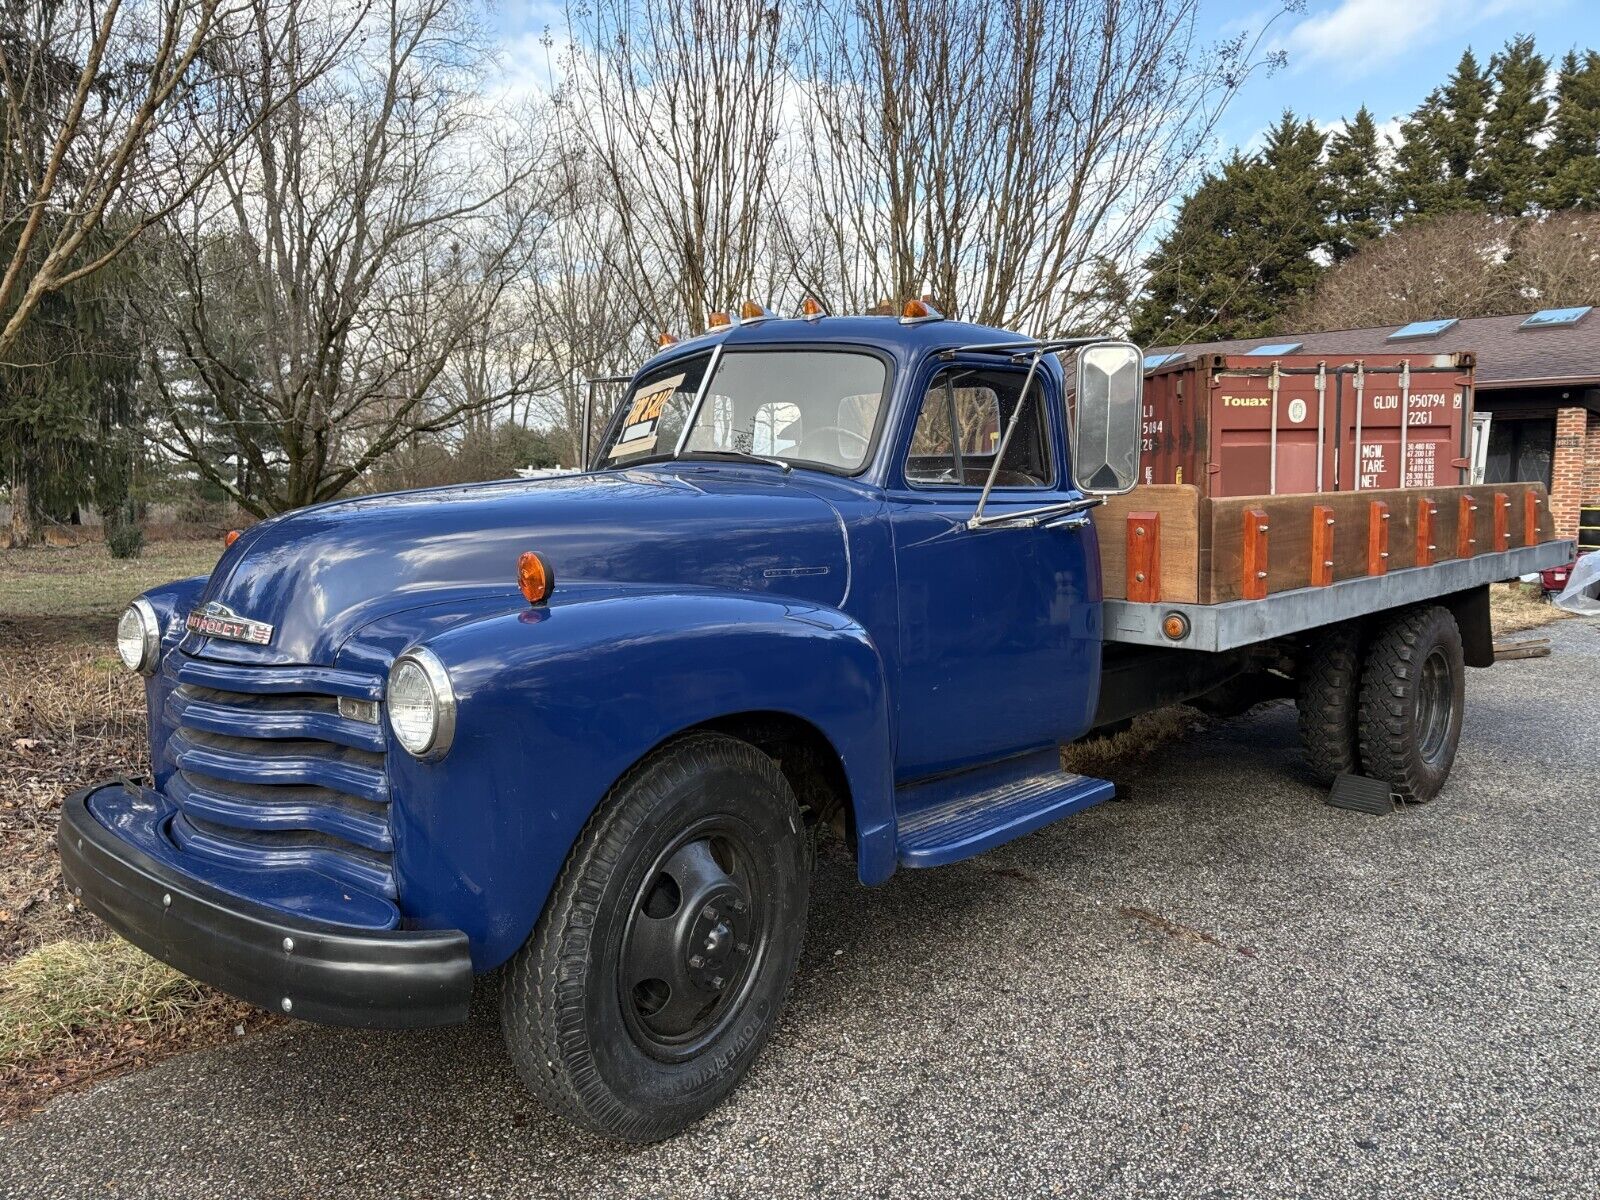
<point>1413,688</point>
<point>662,959</point>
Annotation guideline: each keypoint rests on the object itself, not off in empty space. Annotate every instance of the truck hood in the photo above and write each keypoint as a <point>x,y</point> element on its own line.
<point>319,575</point>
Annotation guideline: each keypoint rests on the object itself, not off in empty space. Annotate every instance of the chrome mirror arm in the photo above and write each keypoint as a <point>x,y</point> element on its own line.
<point>1005,439</point>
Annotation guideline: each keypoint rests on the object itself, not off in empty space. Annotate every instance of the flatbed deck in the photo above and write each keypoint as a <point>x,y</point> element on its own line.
<point>1235,624</point>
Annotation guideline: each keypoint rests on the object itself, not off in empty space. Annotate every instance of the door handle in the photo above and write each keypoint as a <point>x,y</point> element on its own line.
<point>1071,521</point>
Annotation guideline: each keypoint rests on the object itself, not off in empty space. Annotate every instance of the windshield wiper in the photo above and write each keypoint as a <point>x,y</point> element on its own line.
<point>743,454</point>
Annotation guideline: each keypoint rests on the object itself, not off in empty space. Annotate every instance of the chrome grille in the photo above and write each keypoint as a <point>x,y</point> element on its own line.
<point>265,772</point>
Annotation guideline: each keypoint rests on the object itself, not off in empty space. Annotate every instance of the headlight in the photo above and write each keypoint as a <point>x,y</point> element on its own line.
<point>421,704</point>
<point>139,638</point>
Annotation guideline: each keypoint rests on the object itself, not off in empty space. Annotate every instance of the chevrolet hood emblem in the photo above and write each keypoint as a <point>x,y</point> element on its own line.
<point>217,620</point>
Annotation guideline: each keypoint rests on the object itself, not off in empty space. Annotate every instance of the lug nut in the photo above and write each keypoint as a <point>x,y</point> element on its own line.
<point>696,961</point>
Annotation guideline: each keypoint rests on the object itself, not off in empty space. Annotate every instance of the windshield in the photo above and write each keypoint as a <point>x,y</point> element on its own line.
<point>818,407</point>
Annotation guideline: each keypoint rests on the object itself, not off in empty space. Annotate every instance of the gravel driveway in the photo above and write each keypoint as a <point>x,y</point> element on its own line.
<point>1216,987</point>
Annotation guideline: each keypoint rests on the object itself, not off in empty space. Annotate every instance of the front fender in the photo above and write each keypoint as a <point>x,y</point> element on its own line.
<point>557,702</point>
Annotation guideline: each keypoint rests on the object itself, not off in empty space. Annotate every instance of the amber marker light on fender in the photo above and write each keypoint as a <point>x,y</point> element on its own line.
<point>535,577</point>
<point>230,538</point>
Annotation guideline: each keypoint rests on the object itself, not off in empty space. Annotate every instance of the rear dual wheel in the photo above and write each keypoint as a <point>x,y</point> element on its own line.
<point>661,962</point>
<point>1386,702</point>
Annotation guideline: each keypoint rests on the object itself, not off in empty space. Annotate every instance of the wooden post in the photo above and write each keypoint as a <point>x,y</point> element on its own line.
<point>1378,537</point>
<point>1144,556</point>
<point>1254,584</point>
<point>1467,528</point>
<point>1530,518</point>
<point>1321,545</point>
<point>1502,522</point>
<point>1426,511</point>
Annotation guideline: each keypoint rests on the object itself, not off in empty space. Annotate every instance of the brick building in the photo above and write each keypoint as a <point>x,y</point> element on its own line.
<point>1538,376</point>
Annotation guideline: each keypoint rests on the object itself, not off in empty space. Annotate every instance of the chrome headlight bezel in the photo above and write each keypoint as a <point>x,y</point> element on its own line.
<point>149,637</point>
<point>443,730</point>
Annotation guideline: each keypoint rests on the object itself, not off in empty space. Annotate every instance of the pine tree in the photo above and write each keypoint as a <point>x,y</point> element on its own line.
<point>1466,101</point>
<point>1423,185</point>
<point>1360,191</point>
<point>1508,178</point>
<point>1570,164</point>
<point>1243,246</point>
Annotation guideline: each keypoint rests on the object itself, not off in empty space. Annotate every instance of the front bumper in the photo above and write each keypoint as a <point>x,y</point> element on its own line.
<point>308,969</point>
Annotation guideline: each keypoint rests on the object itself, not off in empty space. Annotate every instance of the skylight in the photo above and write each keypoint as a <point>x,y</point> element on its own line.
<point>1421,329</point>
<point>1553,318</point>
<point>1275,348</point>
<point>1152,361</point>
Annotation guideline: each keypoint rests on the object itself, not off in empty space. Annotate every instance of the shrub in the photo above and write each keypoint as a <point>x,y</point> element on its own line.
<point>124,539</point>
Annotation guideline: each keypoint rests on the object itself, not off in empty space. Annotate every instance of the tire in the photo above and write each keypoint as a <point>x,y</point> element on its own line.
<point>1329,703</point>
<point>1413,687</point>
<point>661,962</point>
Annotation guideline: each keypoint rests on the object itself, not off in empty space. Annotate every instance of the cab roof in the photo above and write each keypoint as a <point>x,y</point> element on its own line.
<point>904,342</point>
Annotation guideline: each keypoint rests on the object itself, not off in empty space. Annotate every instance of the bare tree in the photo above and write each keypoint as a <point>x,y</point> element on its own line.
<point>1557,259</point>
<point>1009,158</point>
<point>677,107</point>
<point>87,89</point>
<point>334,289</point>
<point>1457,265</point>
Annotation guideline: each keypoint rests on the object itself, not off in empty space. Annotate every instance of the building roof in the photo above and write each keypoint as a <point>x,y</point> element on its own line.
<point>1509,355</point>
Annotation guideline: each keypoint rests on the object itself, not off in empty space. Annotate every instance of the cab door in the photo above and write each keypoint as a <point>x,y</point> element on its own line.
<point>999,626</point>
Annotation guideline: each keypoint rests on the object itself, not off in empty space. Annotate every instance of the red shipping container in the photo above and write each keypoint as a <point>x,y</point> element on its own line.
<point>1249,425</point>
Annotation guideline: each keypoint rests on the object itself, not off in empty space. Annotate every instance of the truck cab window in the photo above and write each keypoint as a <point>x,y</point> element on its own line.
<point>959,427</point>
<point>812,407</point>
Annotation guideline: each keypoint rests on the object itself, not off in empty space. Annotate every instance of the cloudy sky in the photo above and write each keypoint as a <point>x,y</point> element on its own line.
<point>1387,54</point>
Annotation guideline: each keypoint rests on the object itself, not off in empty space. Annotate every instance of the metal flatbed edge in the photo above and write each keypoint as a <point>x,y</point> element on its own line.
<point>1239,623</point>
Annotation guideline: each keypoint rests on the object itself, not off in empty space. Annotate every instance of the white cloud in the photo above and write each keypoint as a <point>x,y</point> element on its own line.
<point>1359,36</point>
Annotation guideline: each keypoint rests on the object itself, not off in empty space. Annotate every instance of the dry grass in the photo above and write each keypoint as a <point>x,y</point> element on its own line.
<point>1101,757</point>
<point>52,995</point>
<point>1514,606</point>
<point>74,1003</point>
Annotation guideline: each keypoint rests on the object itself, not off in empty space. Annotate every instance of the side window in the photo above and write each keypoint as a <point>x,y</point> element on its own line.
<point>963,417</point>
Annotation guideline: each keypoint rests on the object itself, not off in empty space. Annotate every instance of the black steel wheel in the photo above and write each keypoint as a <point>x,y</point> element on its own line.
<point>661,962</point>
<point>1413,692</point>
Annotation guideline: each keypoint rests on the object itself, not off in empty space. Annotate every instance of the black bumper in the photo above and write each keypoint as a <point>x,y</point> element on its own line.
<point>308,969</point>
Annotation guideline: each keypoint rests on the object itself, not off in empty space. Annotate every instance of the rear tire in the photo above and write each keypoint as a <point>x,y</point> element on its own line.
<point>661,962</point>
<point>1413,688</point>
<point>1329,704</point>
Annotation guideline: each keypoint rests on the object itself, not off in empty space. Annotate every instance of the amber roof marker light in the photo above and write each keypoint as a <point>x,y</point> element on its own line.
<point>811,308</point>
<point>719,320</point>
<point>751,311</point>
<point>535,579</point>
<point>665,340</point>
<point>917,311</point>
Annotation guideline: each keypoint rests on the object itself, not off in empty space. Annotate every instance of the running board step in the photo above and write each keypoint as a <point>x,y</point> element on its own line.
<point>952,821</point>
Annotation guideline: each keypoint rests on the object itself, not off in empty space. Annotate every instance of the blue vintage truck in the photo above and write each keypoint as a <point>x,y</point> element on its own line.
<point>820,572</point>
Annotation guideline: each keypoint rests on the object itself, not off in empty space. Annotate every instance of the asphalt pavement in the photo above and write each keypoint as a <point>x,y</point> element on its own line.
<point>1217,987</point>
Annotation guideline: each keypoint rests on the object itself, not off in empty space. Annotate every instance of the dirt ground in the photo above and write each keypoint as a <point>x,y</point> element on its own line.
<point>70,715</point>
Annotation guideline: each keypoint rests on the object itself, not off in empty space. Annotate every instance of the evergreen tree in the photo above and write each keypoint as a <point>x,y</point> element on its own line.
<point>1571,162</point>
<point>1422,183</point>
<point>1508,178</point>
<point>1440,148</point>
<point>1360,191</point>
<point>1244,244</point>
<point>1466,101</point>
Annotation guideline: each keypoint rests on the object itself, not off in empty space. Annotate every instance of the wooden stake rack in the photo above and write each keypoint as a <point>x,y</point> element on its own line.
<point>1164,543</point>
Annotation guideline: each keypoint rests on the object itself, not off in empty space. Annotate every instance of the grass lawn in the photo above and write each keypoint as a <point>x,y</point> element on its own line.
<point>76,1004</point>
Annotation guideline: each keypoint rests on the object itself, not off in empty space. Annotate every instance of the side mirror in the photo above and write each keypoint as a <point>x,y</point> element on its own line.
<point>1108,396</point>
